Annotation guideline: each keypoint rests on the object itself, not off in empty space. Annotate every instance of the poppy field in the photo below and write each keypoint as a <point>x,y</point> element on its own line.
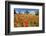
<point>26,20</point>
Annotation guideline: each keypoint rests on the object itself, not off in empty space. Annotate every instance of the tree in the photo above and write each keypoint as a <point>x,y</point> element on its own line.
<point>19,11</point>
<point>14,11</point>
<point>26,12</point>
<point>37,12</point>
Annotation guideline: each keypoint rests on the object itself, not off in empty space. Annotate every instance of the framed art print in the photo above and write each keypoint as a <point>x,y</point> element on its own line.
<point>24,17</point>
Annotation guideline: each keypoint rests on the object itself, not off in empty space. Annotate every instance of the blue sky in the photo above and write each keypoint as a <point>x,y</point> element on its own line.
<point>22,10</point>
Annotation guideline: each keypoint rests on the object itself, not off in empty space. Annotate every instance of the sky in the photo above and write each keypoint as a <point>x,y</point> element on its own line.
<point>23,10</point>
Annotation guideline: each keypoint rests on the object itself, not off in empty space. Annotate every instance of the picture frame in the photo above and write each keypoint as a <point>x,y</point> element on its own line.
<point>10,5</point>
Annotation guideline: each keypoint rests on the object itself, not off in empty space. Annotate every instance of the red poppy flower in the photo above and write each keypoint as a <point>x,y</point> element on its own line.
<point>26,23</point>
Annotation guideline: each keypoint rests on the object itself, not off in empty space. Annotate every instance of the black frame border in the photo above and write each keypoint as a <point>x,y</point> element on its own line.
<point>7,17</point>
